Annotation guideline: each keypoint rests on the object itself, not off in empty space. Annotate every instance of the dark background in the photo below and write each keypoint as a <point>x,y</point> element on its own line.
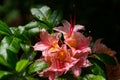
<point>100,17</point>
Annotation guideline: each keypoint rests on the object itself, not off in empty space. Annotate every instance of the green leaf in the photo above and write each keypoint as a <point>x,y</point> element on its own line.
<point>25,47</point>
<point>4,29</point>
<point>55,18</point>
<point>17,30</point>
<point>42,25</point>
<point>25,33</point>
<point>20,33</point>
<point>9,43</point>
<point>93,77</point>
<point>4,46</point>
<point>47,18</point>
<point>8,47</point>
<point>3,73</point>
<point>105,59</point>
<point>21,29</point>
<point>3,61</point>
<point>98,67</point>
<point>21,65</point>
<point>12,59</point>
<point>31,25</point>
<point>13,29</point>
<point>32,28</point>
<point>30,55</point>
<point>37,66</point>
<point>14,45</point>
<point>42,13</point>
<point>98,70</point>
<point>34,31</point>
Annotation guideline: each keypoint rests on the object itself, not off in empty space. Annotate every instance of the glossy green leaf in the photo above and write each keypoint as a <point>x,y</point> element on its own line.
<point>34,31</point>
<point>21,65</point>
<point>42,25</point>
<point>97,67</point>
<point>30,55</point>
<point>9,43</point>
<point>105,59</point>
<point>17,30</point>
<point>20,33</point>
<point>21,29</point>
<point>55,18</point>
<point>48,19</point>
<point>13,29</point>
<point>3,61</point>
<point>98,70</point>
<point>93,77</point>
<point>8,46</point>
<point>36,67</point>
<point>14,45</point>
<point>42,13</point>
<point>26,32</point>
<point>25,47</point>
<point>4,29</point>
<point>11,59</point>
<point>4,44</point>
<point>31,25</point>
<point>3,73</point>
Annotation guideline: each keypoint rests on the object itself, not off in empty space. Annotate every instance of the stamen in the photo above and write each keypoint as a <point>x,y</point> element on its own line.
<point>72,23</point>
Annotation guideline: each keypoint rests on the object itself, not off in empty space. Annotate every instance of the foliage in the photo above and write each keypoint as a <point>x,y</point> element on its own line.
<point>17,57</point>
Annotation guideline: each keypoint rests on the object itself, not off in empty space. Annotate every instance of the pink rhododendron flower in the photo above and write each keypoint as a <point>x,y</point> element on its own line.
<point>48,42</point>
<point>75,40</point>
<point>59,62</point>
<point>78,43</point>
<point>63,61</point>
<point>70,55</point>
<point>67,29</point>
<point>101,48</point>
<point>81,62</point>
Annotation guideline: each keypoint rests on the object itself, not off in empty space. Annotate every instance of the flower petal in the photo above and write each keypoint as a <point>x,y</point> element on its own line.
<point>65,29</point>
<point>44,36</point>
<point>102,48</point>
<point>40,46</point>
<point>76,71</point>
<point>78,27</point>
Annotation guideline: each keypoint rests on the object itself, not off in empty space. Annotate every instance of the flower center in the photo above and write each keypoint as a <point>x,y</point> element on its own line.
<point>72,43</point>
<point>62,55</point>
